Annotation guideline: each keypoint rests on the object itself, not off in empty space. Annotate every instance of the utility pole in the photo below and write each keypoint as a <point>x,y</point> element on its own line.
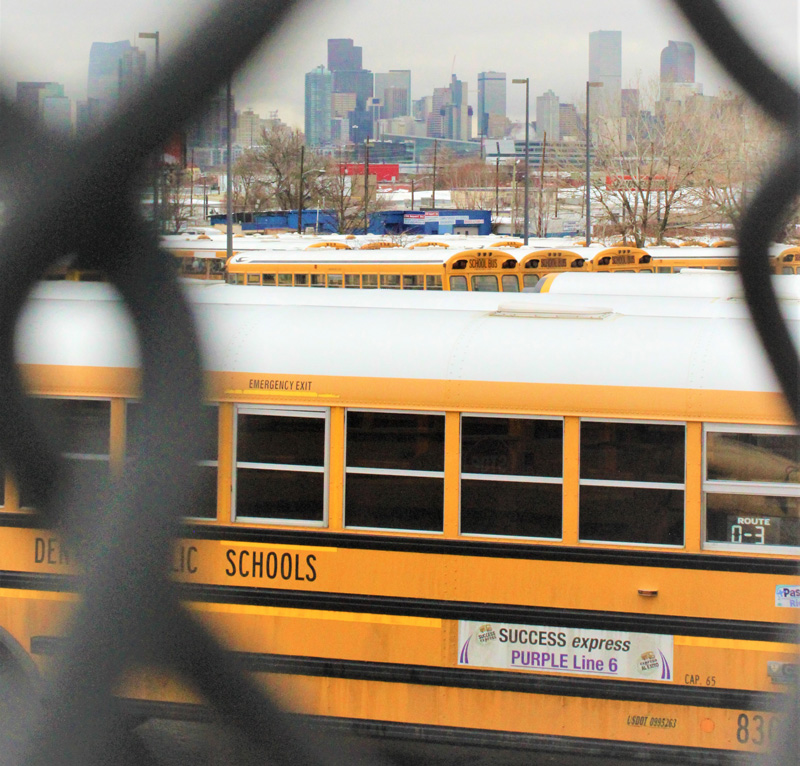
<point>300,195</point>
<point>433,200</point>
<point>229,184</point>
<point>497,185</point>
<point>588,167</point>
<point>366,185</point>
<point>541,180</point>
<point>526,81</point>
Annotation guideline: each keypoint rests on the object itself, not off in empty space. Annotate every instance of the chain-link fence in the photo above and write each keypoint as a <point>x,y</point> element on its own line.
<point>87,191</point>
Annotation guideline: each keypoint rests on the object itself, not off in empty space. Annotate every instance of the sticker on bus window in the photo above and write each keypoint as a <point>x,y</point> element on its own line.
<point>787,595</point>
<point>548,649</point>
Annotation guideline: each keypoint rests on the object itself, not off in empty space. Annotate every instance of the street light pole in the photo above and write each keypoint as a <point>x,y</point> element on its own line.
<point>300,195</point>
<point>366,185</point>
<point>157,160</point>
<point>229,170</point>
<point>588,167</point>
<point>526,82</point>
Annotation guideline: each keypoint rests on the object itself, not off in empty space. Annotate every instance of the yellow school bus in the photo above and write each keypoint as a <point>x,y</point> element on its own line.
<point>407,522</point>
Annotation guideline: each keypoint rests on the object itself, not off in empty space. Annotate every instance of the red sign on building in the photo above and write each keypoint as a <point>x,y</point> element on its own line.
<point>383,171</point>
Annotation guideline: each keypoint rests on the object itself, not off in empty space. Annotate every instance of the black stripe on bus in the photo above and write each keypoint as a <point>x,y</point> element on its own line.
<point>498,742</point>
<point>492,680</point>
<point>510,613</point>
<point>532,551</point>
<point>746,630</point>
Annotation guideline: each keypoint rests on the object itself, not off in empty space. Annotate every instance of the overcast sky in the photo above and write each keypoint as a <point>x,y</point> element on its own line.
<point>546,41</point>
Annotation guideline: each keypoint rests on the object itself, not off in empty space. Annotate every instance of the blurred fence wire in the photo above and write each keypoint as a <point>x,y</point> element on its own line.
<point>87,192</point>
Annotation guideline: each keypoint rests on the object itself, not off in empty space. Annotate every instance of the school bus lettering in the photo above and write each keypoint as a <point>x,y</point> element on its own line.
<point>185,559</point>
<point>637,720</point>
<point>50,550</point>
<point>260,564</point>
<point>268,384</point>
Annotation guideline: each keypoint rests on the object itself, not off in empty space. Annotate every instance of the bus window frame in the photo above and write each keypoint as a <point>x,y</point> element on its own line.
<point>394,472</point>
<point>511,477</point>
<point>670,486</point>
<point>740,487</point>
<point>290,412</point>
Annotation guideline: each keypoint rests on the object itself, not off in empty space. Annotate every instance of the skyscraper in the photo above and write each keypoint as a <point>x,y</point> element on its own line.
<point>45,101</point>
<point>399,79</point>
<point>343,56</point>
<point>548,118</point>
<point>491,101</point>
<point>605,66</point>
<point>132,69</point>
<point>103,82</point>
<point>318,106</point>
<point>677,62</point>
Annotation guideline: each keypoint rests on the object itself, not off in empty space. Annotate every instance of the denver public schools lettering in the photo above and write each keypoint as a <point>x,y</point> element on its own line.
<point>50,550</point>
<point>267,384</point>
<point>272,565</point>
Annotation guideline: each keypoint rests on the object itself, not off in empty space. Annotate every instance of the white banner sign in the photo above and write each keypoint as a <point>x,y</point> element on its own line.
<point>602,653</point>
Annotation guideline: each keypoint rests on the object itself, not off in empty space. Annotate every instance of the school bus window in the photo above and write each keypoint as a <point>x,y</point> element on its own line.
<point>390,281</point>
<point>369,281</point>
<point>81,429</point>
<point>235,279</point>
<point>787,270</point>
<point>458,283</point>
<point>352,280</point>
<point>511,476</point>
<point>632,481</point>
<point>317,280</point>
<point>394,476</point>
<point>751,486</point>
<point>433,282</point>
<point>510,283</point>
<point>485,283</point>
<point>663,269</point>
<point>301,280</point>
<point>284,280</point>
<point>530,280</point>
<point>281,465</point>
<point>335,280</point>
<point>412,282</point>
<point>266,279</point>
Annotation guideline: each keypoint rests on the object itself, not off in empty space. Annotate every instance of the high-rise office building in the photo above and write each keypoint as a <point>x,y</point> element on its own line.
<point>677,62</point>
<point>456,118</point>
<point>318,106</point>
<point>605,66</point>
<point>491,102</point>
<point>211,128</point>
<point>548,117</point>
<point>132,69</point>
<point>677,70</point>
<point>343,55</point>
<point>103,82</point>
<point>398,79</point>
<point>569,123</point>
<point>46,101</point>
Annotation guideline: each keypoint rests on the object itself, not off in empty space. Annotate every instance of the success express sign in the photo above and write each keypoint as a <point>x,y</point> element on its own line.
<point>607,654</point>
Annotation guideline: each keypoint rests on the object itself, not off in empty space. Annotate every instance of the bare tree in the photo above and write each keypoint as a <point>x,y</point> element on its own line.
<point>250,191</point>
<point>649,168</point>
<point>175,209</point>
<point>278,158</point>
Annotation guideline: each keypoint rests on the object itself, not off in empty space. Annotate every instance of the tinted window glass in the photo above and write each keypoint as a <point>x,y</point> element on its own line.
<point>510,284</point>
<point>433,282</point>
<point>395,440</point>
<point>631,514</point>
<point>632,452</point>
<point>390,281</point>
<point>369,281</point>
<point>752,457</point>
<point>283,440</point>
<point>80,426</point>
<point>511,446</point>
<point>301,280</point>
<point>458,283</point>
<point>209,424</point>
<point>521,509</point>
<point>352,280</point>
<point>295,495</point>
<point>485,283</point>
<point>394,502</point>
<point>412,282</point>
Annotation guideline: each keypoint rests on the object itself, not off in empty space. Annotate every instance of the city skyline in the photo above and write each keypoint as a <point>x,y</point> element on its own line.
<point>35,44</point>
